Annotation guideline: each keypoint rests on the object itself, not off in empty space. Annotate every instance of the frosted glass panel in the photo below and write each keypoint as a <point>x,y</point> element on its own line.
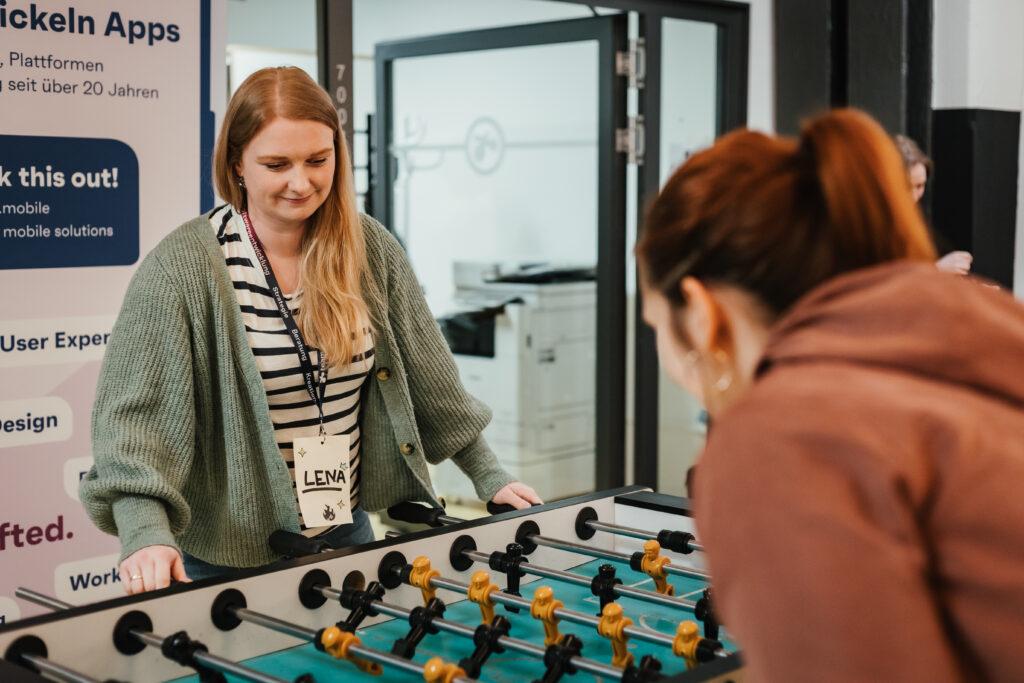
<point>689,90</point>
<point>689,116</point>
<point>496,157</point>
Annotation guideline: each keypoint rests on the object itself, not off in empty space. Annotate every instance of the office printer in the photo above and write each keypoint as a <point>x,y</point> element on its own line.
<point>524,340</point>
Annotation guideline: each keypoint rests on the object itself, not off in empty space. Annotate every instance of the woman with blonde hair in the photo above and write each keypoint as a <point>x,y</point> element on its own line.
<point>919,167</point>
<point>274,364</point>
<point>859,496</point>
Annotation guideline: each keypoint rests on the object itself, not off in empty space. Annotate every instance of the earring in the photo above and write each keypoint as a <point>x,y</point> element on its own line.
<point>241,182</point>
<point>725,380</point>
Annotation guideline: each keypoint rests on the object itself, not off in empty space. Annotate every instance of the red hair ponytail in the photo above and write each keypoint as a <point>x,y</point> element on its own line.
<point>778,217</point>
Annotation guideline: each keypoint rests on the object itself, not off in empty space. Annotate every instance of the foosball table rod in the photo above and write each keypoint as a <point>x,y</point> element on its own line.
<point>617,633</point>
<point>394,570</point>
<point>605,586</point>
<point>683,542</point>
<point>628,558</point>
<point>177,647</point>
<point>29,652</point>
<point>529,536</point>
<point>229,610</point>
<point>569,577</point>
<point>688,547</point>
<point>581,663</point>
<point>39,661</point>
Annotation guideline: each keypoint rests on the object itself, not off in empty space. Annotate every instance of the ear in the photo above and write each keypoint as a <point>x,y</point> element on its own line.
<point>704,319</point>
<point>238,170</point>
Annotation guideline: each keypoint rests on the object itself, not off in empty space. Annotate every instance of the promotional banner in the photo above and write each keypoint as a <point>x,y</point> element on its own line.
<point>105,138</point>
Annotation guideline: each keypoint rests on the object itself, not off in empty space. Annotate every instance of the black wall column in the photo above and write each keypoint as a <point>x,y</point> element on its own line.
<point>803,61</point>
<point>873,56</point>
<point>975,186</point>
<point>334,38</point>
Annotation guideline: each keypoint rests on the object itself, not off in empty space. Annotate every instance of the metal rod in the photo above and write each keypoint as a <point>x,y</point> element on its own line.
<point>632,532</point>
<point>612,555</point>
<point>504,598</point>
<point>621,530</point>
<point>582,663</point>
<point>152,640</point>
<point>275,624</point>
<point>308,634</point>
<point>42,600</point>
<point>386,658</point>
<point>55,670</point>
<point>602,526</point>
<point>484,558</point>
<point>569,577</point>
<point>212,661</point>
<point>657,598</point>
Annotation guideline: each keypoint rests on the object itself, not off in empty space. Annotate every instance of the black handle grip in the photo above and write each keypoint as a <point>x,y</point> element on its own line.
<point>415,513</point>
<point>292,544</point>
<point>498,508</point>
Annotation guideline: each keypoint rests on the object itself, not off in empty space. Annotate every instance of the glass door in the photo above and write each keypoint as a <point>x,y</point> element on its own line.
<point>697,84</point>
<point>689,122</point>
<point>497,170</point>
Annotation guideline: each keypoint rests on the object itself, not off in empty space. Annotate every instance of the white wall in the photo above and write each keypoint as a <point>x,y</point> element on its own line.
<point>979,64</point>
<point>978,54</point>
<point>761,70</point>
<point>267,33</point>
<point>283,24</point>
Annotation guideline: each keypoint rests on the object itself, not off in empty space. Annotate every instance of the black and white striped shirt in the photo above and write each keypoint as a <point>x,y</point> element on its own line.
<point>292,411</point>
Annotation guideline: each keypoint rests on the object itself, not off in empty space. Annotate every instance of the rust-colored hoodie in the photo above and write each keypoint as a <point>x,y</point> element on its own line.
<point>862,504</point>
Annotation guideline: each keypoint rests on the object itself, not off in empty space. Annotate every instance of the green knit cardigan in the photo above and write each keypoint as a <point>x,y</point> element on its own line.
<point>184,447</point>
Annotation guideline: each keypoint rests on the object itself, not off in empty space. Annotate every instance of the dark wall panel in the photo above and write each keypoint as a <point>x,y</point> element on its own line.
<point>876,61</point>
<point>875,56</point>
<point>334,23</point>
<point>975,188</point>
<point>919,72</point>
<point>803,61</point>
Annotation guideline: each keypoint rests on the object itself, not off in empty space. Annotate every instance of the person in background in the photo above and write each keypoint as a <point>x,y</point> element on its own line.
<point>859,497</point>
<point>919,170</point>
<point>280,333</point>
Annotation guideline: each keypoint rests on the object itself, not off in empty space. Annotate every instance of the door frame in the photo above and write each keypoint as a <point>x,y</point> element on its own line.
<point>733,23</point>
<point>610,34</point>
<point>732,20</point>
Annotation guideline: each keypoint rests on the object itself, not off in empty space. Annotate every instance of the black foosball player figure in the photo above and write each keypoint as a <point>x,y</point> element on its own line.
<point>276,340</point>
<point>866,461</point>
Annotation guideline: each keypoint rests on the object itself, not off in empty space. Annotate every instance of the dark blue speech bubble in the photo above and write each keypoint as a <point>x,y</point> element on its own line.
<point>67,202</point>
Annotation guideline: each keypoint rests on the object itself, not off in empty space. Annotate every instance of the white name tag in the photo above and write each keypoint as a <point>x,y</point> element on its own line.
<point>323,480</point>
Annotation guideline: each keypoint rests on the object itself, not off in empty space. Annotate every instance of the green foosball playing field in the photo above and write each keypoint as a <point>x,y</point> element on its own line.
<point>508,666</point>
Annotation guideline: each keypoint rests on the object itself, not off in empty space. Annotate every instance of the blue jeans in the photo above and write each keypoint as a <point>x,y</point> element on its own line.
<point>341,536</point>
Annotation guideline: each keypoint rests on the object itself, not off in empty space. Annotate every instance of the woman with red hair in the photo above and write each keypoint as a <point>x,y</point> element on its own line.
<point>860,493</point>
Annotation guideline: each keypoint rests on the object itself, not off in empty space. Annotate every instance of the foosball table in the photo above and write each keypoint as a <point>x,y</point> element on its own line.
<point>606,586</point>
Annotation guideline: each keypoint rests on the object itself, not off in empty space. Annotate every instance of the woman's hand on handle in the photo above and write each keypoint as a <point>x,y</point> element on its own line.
<point>518,495</point>
<point>958,262</point>
<point>151,568</point>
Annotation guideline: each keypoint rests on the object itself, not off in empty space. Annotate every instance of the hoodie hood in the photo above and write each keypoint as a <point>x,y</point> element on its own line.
<point>911,318</point>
